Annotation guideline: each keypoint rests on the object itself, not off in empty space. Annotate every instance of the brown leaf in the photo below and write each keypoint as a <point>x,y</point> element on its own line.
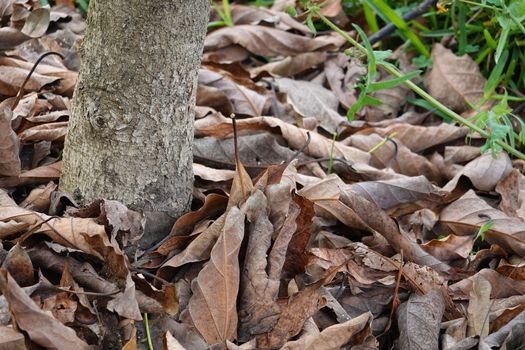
<point>295,310</point>
<point>11,37</point>
<point>450,248</point>
<point>245,101</point>
<point>419,319</point>
<point>78,233</point>
<point>469,213</point>
<point>312,100</point>
<point>39,198</point>
<point>42,328</point>
<point>61,306</point>
<point>419,138</point>
<point>19,265</point>
<point>319,146</point>
<point>512,191</point>
<point>289,66</point>
<point>242,14</point>
<point>454,80</point>
<point>11,79</point>
<point>199,249</point>
<point>45,132</point>
<point>342,74</point>
<point>396,156</point>
<point>211,174</point>
<point>67,78</point>
<point>214,204</point>
<point>508,334</point>
<point>37,22</point>
<point>212,307</point>
<point>356,210</point>
<point>478,307</point>
<point>296,253</point>
<point>9,144</point>
<point>266,41</point>
<point>215,98</point>
<point>354,331</point>
<point>389,193</point>
<point>11,339</point>
<point>502,286</point>
<point>485,172</point>
<point>258,309</point>
<point>256,151</point>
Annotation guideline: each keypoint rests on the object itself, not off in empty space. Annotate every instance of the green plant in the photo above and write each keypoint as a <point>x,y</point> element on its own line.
<point>495,141</point>
<point>483,229</point>
<point>390,15</point>
<point>224,12</point>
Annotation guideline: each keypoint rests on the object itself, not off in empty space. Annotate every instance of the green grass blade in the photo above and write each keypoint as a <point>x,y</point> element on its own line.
<point>489,39</point>
<point>400,24</point>
<point>495,76</point>
<point>370,17</point>
<point>502,43</point>
<point>462,30</point>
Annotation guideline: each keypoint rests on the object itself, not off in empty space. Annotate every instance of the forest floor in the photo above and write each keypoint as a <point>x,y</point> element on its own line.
<point>389,227</point>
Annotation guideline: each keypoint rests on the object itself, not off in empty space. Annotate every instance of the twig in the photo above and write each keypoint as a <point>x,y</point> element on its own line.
<point>299,151</point>
<point>149,274</point>
<point>20,91</point>
<point>391,27</point>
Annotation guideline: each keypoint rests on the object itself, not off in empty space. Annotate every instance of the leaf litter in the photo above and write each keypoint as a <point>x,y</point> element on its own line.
<point>315,233</point>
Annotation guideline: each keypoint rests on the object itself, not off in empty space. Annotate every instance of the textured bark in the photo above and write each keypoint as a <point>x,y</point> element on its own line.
<point>131,128</point>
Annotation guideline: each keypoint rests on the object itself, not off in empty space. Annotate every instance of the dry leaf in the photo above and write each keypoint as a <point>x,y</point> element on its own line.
<point>213,306</point>
<point>419,319</point>
<point>41,327</point>
<point>9,144</point>
<point>478,307</point>
<point>469,213</point>
<point>311,100</point>
<point>266,41</point>
<point>454,80</point>
<point>336,336</point>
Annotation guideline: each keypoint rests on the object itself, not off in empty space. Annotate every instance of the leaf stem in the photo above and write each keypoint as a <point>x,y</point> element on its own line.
<point>148,335</point>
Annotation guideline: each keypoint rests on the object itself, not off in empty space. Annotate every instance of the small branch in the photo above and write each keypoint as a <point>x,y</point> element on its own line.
<point>21,90</point>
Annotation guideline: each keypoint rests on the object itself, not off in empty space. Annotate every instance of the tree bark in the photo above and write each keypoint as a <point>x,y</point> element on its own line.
<point>131,127</point>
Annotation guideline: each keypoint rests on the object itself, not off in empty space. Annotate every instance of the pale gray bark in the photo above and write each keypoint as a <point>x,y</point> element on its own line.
<point>131,128</point>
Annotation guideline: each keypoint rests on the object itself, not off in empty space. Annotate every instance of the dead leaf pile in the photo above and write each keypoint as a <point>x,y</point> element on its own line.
<point>326,234</point>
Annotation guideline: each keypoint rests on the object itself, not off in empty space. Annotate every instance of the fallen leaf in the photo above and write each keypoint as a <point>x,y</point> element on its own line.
<point>266,41</point>
<point>41,327</point>
<point>469,213</point>
<point>419,319</point>
<point>213,306</point>
<point>454,81</point>
<point>337,336</point>
<point>512,191</point>
<point>311,100</point>
<point>9,144</point>
<point>258,309</point>
<point>478,307</point>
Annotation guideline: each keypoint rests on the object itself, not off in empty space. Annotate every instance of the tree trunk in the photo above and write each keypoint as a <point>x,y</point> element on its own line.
<point>131,127</point>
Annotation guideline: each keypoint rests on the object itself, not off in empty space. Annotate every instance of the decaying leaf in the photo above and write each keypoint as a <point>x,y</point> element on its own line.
<point>419,319</point>
<point>213,306</point>
<point>42,328</point>
<point>468,214</point>
<point>454,81</point>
